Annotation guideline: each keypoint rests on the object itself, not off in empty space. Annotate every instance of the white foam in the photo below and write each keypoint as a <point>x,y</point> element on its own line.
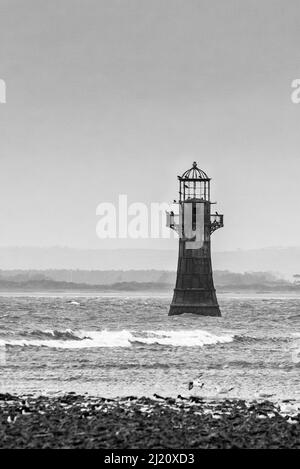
<point>125,338</point>
<point>184,338</point>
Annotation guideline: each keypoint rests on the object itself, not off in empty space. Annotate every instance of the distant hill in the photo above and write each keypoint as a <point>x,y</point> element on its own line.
<point>281,260</point>
<point>91,277</point>
<point>100,281</point>
<point>53,286</point>
<point>109,277</point>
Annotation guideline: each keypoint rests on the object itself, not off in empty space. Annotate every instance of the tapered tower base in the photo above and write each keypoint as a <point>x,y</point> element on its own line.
<point>194,292</point>
<point>200,310</point>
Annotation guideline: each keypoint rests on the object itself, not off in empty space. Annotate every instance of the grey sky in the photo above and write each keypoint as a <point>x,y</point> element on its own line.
<point>109,97</point>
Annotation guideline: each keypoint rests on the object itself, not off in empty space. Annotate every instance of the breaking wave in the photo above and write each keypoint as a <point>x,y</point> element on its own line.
<point>68,334</point>
<point>95,339</point>
<point>249,339</point>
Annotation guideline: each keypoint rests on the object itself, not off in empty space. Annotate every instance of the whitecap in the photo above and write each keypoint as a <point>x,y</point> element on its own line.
<point>124,338</point>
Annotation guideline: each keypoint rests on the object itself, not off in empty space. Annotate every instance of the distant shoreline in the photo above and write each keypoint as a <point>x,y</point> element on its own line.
<point>50,286</point>
<point>160,293</point>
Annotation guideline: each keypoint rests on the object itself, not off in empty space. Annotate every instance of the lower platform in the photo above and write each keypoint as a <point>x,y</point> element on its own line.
<point>199,309</point>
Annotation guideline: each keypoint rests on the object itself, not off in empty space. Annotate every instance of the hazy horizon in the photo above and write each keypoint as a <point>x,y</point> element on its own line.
<point>173,247</point>
<point>285,261</point>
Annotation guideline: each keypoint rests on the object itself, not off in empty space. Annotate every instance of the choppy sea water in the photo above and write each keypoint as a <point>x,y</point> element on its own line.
<point>127,345</point>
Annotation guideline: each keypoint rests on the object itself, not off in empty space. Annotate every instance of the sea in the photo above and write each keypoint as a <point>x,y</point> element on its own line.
<point>127,345</point>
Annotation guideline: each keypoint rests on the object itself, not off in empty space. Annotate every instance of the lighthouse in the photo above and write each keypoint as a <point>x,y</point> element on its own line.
<point>194,290</point>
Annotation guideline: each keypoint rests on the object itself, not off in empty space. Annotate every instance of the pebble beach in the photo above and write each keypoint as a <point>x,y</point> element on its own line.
<point>83,421</point>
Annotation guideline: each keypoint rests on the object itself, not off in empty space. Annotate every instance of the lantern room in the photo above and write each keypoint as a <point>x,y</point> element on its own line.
<point>194,184</point>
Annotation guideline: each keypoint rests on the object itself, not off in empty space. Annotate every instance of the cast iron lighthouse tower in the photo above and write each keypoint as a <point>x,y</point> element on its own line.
<point>194,290</point>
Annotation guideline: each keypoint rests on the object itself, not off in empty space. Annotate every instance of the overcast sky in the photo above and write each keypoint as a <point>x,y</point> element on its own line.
<point>107,97</point>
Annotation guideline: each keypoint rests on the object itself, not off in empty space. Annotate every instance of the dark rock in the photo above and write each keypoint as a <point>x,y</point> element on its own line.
<point>74,421</point>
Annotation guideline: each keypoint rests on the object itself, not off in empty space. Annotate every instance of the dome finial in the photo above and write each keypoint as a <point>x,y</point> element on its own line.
<point>195,164</point>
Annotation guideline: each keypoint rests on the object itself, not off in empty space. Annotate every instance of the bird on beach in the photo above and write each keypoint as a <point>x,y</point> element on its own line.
<point>196,382</point>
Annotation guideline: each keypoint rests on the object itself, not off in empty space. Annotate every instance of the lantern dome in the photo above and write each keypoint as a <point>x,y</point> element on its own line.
<point>194,173</point>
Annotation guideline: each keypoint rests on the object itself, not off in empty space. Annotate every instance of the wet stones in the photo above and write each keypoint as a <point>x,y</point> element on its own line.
<point>74,421</point>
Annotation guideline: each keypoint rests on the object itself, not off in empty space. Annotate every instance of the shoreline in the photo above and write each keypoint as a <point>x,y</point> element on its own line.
<point>291,294</point>
<point>83,421</point>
